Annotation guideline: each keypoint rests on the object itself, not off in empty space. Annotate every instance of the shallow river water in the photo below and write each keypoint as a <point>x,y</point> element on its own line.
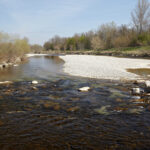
<point>41,67</point>
<point>54,115</point>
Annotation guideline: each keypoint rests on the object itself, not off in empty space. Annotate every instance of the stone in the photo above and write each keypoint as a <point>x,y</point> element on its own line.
<point>147,89</point>
<point>34,88</point>
<point>6,82</point>
<point>136,97</point>
<point>135,111</point>
<point>10,64</point>
<point>15,65</point>
<point>73,109</point>
<point>136,91</point>
<point>18,60</point>
<point>140,81</point>
<point>147,83</point>
<point>148,108</point>
<point>56,107</point>
<point>34,82</point>
<point>65,83</point>
<point>84,89</point>
<point>138,101</point>
<point>1,66</point>
<point>120,109</point>
<point>1,123</point>
<point>103,110</point>
<point>119,100</point>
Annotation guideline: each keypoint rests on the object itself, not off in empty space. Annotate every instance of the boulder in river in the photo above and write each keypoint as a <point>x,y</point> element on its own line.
<point>1,66</point>
<point>34,82</point>
<point>147,83</point>
<point>147,88</point>
<point>136,91</point>
<point>6,82</point>
<point>84,89</point>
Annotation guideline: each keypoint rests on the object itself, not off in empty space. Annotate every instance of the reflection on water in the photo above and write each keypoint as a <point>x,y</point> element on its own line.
<point>37,67</point>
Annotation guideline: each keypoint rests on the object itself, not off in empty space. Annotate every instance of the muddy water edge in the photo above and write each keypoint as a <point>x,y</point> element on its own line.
<point>55,115</point>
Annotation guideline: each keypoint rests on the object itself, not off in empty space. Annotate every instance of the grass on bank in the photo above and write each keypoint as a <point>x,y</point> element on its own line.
<point>141,51</point>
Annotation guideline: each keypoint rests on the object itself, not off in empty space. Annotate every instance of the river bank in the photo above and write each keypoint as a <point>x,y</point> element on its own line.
<point>12,62</point>
<point>103,67</point>
<point>128,52</point>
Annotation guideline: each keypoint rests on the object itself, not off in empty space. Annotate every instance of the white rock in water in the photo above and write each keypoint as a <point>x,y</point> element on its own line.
<point>1,66</point>
<point>34,88</point>
<point>34,82</point>
<point>15,65</point>
<point>6,82</point>
<point>140,81</point>
<point>137,91</point>
<point>136,97</point>
<point>147,83</point>
<point>84,89</point>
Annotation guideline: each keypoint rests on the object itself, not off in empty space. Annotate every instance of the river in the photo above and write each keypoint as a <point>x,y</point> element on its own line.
<point>37,67</point>
<point>54,115</point>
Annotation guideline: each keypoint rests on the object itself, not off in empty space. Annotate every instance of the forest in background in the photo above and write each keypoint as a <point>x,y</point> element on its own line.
<point>109,35</point>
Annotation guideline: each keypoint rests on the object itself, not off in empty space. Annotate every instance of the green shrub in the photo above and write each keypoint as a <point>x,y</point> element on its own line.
<point>11,47</point>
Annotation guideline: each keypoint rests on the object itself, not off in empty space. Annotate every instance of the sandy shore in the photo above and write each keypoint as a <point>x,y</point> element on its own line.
<point>102,67</point>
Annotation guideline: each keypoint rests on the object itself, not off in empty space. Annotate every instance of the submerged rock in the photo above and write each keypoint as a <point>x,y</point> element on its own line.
<point>138,101</point>
<point>73,109</point>
<point>103,110</point>
<point>65,83</point>
<point>56,107</point>
<point>1,123</point>
<point>120,109</point>
<point>135,111</point>
<point>136,97</point>
<point>148,107</point>
<point>34,88</point>
<point>51,105</point>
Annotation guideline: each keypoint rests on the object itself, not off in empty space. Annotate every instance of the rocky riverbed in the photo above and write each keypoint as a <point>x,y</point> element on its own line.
<point>56,115</point>
<point>43,108</point>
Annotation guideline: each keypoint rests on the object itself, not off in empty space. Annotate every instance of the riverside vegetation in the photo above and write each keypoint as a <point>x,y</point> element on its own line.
<point>109,39</point>
<point>130,40</point>
<point>44,109</point>
<point>12,49</point>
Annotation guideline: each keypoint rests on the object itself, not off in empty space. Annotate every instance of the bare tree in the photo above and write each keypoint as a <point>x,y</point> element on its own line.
<point>141,15</point>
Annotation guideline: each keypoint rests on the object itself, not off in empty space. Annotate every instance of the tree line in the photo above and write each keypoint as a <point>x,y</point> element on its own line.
<point>109,35</point>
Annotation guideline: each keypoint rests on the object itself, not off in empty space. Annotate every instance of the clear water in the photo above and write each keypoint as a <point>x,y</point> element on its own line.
<point>54,115</point>
<point>43,67</point>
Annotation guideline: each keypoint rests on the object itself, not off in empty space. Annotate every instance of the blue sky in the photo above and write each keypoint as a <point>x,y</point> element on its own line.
<point>40,20</point>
